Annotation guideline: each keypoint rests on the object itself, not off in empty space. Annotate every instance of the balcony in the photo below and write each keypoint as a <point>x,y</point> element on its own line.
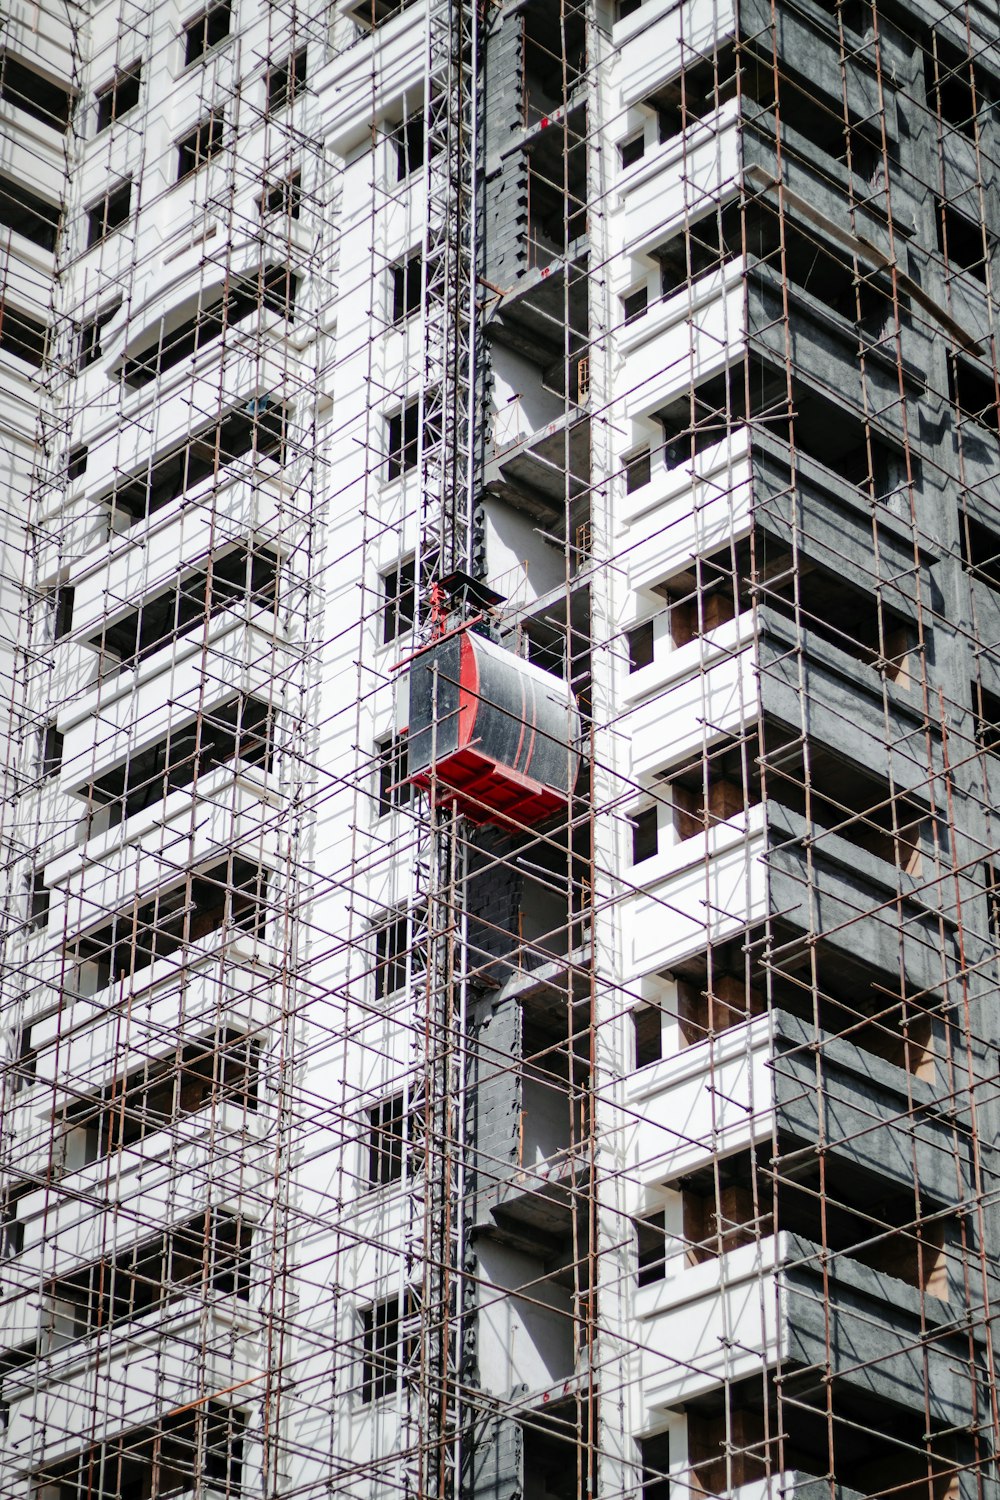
<point>677,179</point>
<point>780,1301</point>
<point>158,845</point>
<point>530,318</point>
<point>711,1099</point>
<point>879,1123</point>
<point>650,43</point>
<point>709,681</point>
<point>227,982</point>
<point>682,341</point>
<point>539,472</point>
<point>111,579</point>
<point>212,1156</point>
<point>137,707</point>
<point>703,889</point>
<point>99,1390</point>
<point>368,79</point>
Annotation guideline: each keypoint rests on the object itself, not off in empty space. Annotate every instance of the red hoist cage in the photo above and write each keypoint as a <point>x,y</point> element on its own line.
<point>496,735</point>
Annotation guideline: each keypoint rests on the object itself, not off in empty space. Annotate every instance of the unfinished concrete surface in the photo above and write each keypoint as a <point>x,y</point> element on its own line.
<point>357,1142</point>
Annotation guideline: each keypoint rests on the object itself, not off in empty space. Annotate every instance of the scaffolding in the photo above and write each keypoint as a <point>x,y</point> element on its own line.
<point>362,1138</point>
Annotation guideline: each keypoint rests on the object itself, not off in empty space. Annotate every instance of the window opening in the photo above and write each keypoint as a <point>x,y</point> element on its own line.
<point>284,197</point>
<point>207,31</point>
<point>393,760</point>
<point>26,213</point>
<point>399,600</point>
<point>22,86</point>
<point>109,213</point>
<point>23,336</point>
<point>286,80</point>
<point>407,283</point>
<point>200,144</point>
<point>119,96</point>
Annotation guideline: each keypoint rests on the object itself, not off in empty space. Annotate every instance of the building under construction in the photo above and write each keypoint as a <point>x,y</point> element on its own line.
<point>501,730</point>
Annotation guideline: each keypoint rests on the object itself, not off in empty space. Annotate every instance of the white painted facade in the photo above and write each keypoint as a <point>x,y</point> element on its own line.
<point>292,1163</point>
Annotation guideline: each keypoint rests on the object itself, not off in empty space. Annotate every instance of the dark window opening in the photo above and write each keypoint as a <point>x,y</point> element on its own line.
<point>270,290</point>
<point>393,767</point>
<point>200,144</point>
<point>394,1132</point>
<point>76,462</point>
<point>207,1254</point>
<point>557,201</point>
<point>709,412</point>
<point>399,952</point>
<point>372,13</point>
<point>26,213</point>
<point>843,614</point>
<point>852,803</point>
<point>39,897</point>
<point>651,1248</point>
<point>403,434</point>
<point>391,944</point>
<point>407,283</point>
<point>89,336</point>
<point>722,785</point>
<point>546,1445</point>
<point>118,96</point>
<point>647,1029</point>
<point>20,85</point>
<point>722,1211</point>
<point>632,150</point>
<point>700,90</point>
<point>638,470</point>
<point>973,393</point>
<point>819,118</point>
<point>51,756</point>
<point>645,842</point>
<point>954,89</point>
<point>237,579</point>
<point>252,432</point>
<point>634,305</point>
<point>183,1451</point>
<point>626,8</point>
<point>701,247</point>
<point>60,607</point>
<point>26,1068</point>
<point>986,708</point>
<point>233,893</point>
<point>241,729</point>
<point>713,591</point>
<point>11,1228</point>
<point>965,244</point>
<point>284,197</point>
<point>409,140</point>
<point>207,31</point>
<point>654,1458</point>
<point>981,550</point>
<point>286,80</point>
<point>640,646</point>
<point>554,57</point>
<point>109,214</point>
<point>216,1070</point>
<point>824,431</point>
<point>731,982</point>
<point>23,336</point>
<point>386,1139</point>
<point>399,600</point>
<point>386,1347</point>
<point>810,265</point>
